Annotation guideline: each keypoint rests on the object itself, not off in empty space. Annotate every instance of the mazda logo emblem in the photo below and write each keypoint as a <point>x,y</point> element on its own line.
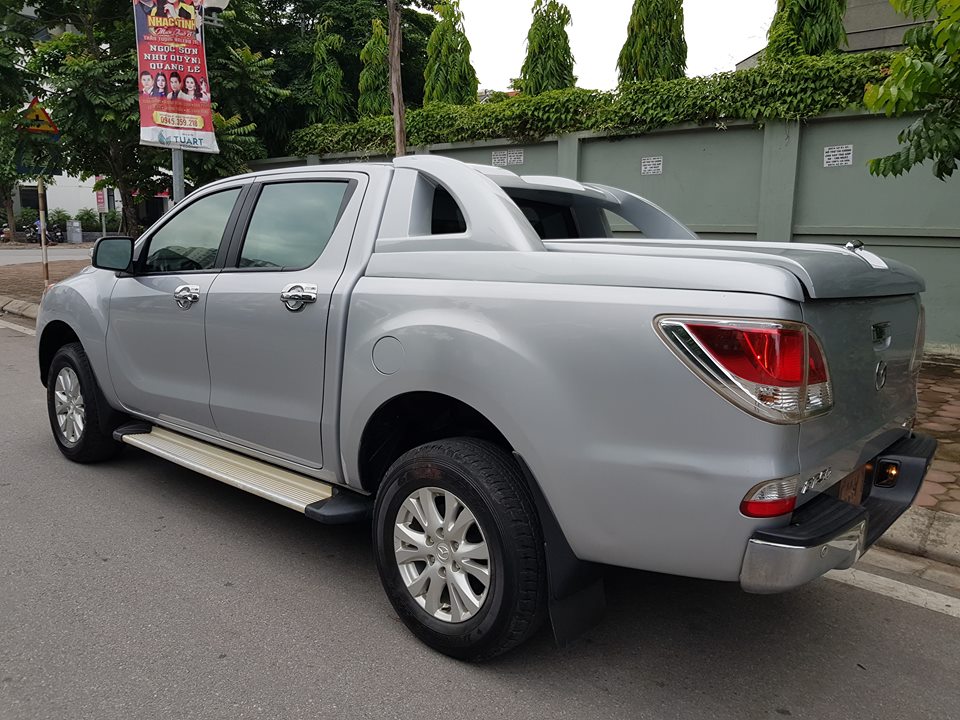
<point>881,377</point>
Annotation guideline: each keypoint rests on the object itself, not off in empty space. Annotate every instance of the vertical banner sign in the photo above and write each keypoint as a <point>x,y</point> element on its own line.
<point>172,79</point>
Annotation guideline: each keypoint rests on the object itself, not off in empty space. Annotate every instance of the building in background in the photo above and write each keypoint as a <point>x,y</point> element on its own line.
<point>67,193</point>
<point>870,25</point>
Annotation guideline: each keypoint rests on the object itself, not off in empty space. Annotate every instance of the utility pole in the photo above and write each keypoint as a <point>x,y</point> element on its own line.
<point>396,85</point>
<point>177,175</point>
<point>42,206</point>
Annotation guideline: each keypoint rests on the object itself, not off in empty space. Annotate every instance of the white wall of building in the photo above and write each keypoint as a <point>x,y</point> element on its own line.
<point>71,194</point>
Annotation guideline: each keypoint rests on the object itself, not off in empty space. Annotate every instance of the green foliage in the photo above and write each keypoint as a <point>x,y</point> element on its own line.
<point>549,62</point>
<point>113,219</point>
<point>656,48</point>
<point>17,84</point>
<point>449,76</point>
<point>806,27</point>
<point>238,145</point>
<point>795,90</point>
<point>89,219</point>
<point>58,218</point>
<point>497,96</point>
<point>89,79</point>
<point>329,101</point>
<point>26,218</point>
<point>245,84</point>
<point>925,78</point>
<point>375,76</point>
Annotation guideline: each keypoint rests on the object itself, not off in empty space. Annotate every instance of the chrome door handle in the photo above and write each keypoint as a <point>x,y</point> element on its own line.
<point>186,295</point>
<point>296,295</point>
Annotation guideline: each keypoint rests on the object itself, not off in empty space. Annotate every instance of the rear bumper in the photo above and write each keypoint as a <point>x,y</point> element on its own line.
<point>827,534</point>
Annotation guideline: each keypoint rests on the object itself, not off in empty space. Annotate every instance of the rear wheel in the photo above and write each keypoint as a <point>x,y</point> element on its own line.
<point>459,548</point>
<point>79,416</point>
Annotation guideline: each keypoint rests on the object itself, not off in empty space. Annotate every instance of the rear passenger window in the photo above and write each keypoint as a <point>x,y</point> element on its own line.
<point>551,221</point>
<point>446,218</point>
<point>292,224</point>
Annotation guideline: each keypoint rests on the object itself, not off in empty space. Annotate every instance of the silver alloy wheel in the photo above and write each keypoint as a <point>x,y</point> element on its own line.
<point>68,403</point>
<point>442,554</point>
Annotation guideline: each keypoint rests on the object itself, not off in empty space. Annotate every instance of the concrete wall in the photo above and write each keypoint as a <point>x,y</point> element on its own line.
<point>747,182</point>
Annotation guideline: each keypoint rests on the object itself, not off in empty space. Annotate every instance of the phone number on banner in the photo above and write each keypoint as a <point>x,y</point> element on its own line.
<point>165,119</point>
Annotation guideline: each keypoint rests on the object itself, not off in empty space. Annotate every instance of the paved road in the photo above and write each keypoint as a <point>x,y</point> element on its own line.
<point>137,589</point>
<point>18,256</point>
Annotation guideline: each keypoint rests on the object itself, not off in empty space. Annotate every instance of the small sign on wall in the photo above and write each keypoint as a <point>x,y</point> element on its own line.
<point>507,157</point>
<point>837,155</point>
<point>651,165</point>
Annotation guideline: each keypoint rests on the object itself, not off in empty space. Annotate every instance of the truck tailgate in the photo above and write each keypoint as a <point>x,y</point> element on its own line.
<point>869,346</point>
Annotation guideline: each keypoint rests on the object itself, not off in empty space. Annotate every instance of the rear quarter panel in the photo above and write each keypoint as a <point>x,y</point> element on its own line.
<point>643,464</point>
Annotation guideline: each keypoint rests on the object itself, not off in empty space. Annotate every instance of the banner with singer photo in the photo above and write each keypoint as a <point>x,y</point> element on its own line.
<point>173,84</point>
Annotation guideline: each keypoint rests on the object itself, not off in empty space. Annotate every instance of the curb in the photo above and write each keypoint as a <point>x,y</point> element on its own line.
<point>19,307</point>
<point>931,534</point>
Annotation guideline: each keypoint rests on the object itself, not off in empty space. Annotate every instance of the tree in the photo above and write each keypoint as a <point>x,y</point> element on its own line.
<point>656,48</point>
<point>238,146</point>
<point>285,30</point>
<point>925,78</point>
<point>89,79</point>
<point>329,101</point>
<point>450,78</point>
<point>16,87</point>
<point>375,76</point>
<point>549,62</point>
<point>806,27</point>
<point>8,167</point>
<point>396,79</point>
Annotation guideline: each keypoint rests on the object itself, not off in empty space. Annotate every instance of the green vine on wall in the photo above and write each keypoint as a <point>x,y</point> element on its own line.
<point>797,89</point>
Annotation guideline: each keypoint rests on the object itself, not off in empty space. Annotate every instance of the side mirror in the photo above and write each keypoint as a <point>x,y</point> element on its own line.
<point>113,253</point>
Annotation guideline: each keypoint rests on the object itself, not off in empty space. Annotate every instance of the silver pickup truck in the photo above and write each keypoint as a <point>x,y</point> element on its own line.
<point>513,395</point>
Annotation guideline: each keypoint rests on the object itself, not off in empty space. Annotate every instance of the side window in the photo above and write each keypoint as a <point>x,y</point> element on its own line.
<point>446,217</point>
<point>292,224</point>
<point>191,239</point>
<point>550,220</point>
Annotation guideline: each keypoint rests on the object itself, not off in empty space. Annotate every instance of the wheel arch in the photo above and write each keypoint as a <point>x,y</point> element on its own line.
<point>575,587</point>
<point>413,418</point>
<point>55,335</point>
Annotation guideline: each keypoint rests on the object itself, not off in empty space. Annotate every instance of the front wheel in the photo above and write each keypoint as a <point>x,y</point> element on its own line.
<point>77,409</point>
<point>459,548</point>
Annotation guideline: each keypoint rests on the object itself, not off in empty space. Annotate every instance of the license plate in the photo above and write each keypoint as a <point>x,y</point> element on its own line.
<point>851,487</point>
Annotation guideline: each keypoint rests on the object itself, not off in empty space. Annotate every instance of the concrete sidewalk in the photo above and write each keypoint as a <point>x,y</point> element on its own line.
<point>19,256</point>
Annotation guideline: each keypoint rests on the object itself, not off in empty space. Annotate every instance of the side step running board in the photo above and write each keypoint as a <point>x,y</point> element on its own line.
<point>287,488</point>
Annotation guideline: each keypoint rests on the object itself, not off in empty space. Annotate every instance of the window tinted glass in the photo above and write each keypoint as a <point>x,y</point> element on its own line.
<point>447,218</point>
<point>292,224</point>
<point>551,221</point>
<point>191,239</point>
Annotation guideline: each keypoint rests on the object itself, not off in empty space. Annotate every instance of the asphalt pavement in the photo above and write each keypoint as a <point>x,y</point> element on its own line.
<point>137,589</point>
<point>19,256</point>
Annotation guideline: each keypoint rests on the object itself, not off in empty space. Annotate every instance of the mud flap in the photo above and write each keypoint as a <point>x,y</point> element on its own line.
<point>576,598</point>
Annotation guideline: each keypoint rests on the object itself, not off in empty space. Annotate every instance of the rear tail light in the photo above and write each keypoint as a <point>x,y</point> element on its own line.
<point>771,499</point>
<point>774,370</point>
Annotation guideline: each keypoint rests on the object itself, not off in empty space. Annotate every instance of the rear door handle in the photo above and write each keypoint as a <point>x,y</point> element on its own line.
<point>186,295</point>
<point>296,295</point>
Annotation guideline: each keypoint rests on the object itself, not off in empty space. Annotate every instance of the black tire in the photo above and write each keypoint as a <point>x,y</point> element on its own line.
<point>488,482</point>
<point>95,442</point>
